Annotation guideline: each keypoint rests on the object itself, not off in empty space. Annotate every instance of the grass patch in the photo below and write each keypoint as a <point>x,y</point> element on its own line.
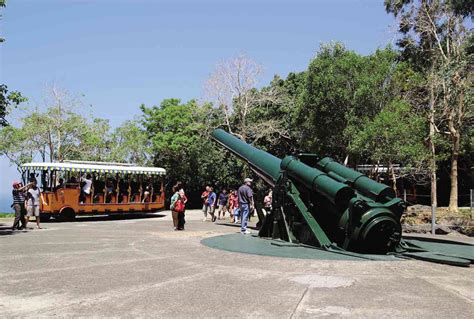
<point>7,215</point>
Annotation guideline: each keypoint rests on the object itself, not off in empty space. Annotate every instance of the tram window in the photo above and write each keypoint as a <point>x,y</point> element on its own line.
<point>135,188</point>
<point>109,189</point>
<point>123,189</point>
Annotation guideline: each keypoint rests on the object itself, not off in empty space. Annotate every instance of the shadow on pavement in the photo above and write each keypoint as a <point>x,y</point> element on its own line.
<point>237,225</point>
<point>6,230</point>
<point>100,218</point>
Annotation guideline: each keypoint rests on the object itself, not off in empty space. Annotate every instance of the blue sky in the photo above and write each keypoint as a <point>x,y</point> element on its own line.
<point>120,53</point>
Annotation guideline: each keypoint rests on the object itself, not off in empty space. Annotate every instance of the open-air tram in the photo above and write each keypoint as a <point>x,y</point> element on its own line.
<point>114,188</point>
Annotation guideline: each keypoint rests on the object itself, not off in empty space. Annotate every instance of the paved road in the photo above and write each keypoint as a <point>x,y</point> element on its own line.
<point>140,267</point>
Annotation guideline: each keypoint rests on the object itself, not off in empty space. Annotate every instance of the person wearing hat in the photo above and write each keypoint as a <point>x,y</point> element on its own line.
<point>246,204</point>
<point>33,196</point>
<point>18,205</point>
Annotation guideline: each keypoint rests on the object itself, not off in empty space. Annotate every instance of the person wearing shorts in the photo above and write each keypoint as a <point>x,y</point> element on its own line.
<point>204,196</point>
<point>210,205</point>
<point>33,203</point>
<point>223,199</point>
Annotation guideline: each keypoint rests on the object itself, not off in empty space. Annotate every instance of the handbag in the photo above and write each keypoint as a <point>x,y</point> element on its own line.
<point>179,206</point>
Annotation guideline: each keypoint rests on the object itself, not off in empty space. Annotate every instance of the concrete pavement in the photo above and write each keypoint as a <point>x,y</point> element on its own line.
<point>140,267</point>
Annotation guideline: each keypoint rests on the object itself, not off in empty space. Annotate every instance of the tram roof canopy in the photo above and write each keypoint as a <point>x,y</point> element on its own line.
<point>96,167</point>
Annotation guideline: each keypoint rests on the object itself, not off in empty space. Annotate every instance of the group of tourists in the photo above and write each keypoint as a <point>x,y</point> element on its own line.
<point>238,203</point>
<point>112,187</point>
<point>26,203</point>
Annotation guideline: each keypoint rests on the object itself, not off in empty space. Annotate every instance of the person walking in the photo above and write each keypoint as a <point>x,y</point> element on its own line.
<point>234,206</point>
<point>18,205</point>
<point>181,211</point>
<point>246,204</point>
<point>223,199</point>
<point>204,197</point>
<point>33,203</point>
<point>211,203</point>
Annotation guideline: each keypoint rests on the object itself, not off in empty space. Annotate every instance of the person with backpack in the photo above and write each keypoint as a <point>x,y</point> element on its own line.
<point>181,208</point>
<point>177,207</point>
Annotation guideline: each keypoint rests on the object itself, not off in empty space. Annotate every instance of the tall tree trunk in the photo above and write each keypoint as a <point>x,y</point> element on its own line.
<point>431,137</point>
<point>453,196</point>
<point>394,178</point>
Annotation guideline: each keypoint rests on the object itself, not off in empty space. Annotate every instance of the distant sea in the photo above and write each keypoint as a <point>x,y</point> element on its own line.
<point>5,202</point>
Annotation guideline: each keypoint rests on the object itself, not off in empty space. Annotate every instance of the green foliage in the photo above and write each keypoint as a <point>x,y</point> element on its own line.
<point>343,91</point>
<point>130,143</point>
<point>394,136</point>
<point>178,135</point>
<point>13,143</point>
<point>7,99</point>
<point>172,126</point>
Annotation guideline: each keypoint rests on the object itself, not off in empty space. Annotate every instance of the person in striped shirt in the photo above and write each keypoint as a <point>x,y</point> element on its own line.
<point>18,205</point>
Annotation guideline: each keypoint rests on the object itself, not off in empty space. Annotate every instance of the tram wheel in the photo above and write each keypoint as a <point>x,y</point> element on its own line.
<point>45,217</point>
<point>68,215</point>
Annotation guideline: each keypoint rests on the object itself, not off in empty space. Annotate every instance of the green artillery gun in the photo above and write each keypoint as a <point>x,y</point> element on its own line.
<point>321,202</point>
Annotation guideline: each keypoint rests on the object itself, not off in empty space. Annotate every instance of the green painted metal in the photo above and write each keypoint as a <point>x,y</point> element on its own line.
<point>330,206</point>
<point>438,252</point>
<point>376,191</point>
<point>328,211</point>
<point>336,192</point>
<point>320,236</point>
<point>265,164</point>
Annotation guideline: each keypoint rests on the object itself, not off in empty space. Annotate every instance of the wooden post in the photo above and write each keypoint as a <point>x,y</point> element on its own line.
<point>140,177</point>
<point>129,190</point>
<point>92,188</point>
<point>152,188</point>
<point>105,188</point>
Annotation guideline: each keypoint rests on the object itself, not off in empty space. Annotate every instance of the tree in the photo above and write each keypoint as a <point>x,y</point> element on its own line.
<point>56,134</point>
<point>96,142</point>
<point>179,138</point>
<point>13,143</point>
<point>129,143</point>
<point>6,100</point>
<point>343,90</point>
<point>435,39</point>
<point>232,89</point>
<point>395,135</point>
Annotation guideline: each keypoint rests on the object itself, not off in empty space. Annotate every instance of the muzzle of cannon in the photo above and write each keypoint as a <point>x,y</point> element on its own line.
<point>325,205</point>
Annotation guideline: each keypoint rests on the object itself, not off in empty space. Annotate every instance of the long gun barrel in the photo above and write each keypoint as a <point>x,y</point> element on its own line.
<point>325,205</point>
